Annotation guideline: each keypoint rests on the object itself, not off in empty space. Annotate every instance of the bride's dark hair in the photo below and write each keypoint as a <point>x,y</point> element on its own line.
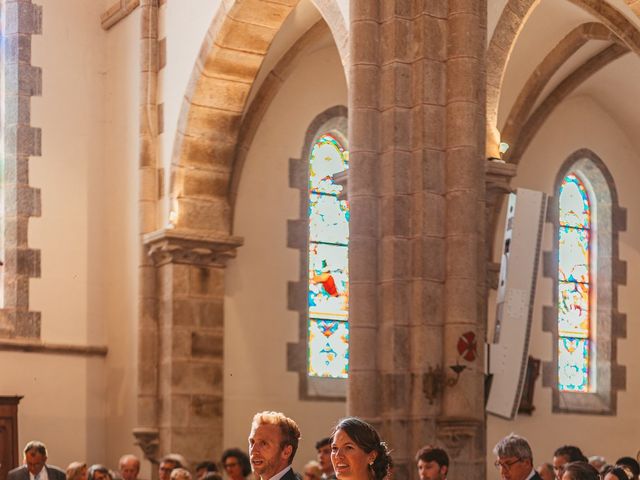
<point>367,438</point>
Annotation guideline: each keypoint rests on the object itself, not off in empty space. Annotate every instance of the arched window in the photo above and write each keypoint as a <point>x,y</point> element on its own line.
<point>584,264</point>
<point>320,295</point>
<point>328,261</point>
<point>574,285</point>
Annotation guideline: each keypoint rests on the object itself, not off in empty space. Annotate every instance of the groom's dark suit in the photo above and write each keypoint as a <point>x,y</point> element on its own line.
<point>21,473</point>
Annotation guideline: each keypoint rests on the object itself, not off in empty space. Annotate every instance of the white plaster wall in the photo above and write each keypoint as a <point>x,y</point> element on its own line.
<point>258,325</point>
<point>580,122</point>
<point>87,236</point>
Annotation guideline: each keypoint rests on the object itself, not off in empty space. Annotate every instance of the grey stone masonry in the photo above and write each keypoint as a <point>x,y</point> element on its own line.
<point>417,258</point>
<point>22,19</point>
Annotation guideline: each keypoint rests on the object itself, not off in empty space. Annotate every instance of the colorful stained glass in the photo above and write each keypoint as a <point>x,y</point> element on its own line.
<point>328,341</point>
<point>574,290</point>
<point>573,360</point>
<point>328,348</point>
<point>327,158</point>
<point>573,258</point>
<point>328,219</point>
<point>328,281</point>
<point>573,309</point>
<point>574,203</point>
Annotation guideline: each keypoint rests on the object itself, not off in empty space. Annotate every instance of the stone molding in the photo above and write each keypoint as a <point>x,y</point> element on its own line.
<point>611,272</point>
<point>22,19</point>
<point>116,12</point>
<point>53,348</point>
<point>191,248</point>
<point>148,439</point>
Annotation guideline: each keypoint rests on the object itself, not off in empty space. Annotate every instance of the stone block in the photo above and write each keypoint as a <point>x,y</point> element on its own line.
<point>363,303</point>
<point>147,410</point>
<point>216,124</point>
<point>429,81</point>
<point>365,129</point>
<point>23,140</point>
<point>16,290</point>
<point>462,126</point>
<point>460,308</point>
<point>206,281</point>
<point>397,8</point>
<point>297,233</point>
<point>364,392</point>
<point>362,259</point>
<point>211,314</point>
<point>179,410</point>
<point>363,174</point>
<point>396,259</point>
<point>201,214</point>
<point>394,387</point>
<point>365,38</point>
<point>297,295</point>
<point>258,12</point>
<point>364,213</point>
<point>365,81</point>
<point>462,255</point>
<point>395,129</point>
<point>430,294</point>
<point>239,35</point>
<point>464,79</point>
<point>203,151</point>
<point>364,10</point>
<point>463,214</point>
<point>396,172</point>
<point>223,94</point>
<point>207,378</point>
<point>206,345</point>
<point>362,341</point>
<point>395,40</point>
<point>205,183</point>
<point>27,262</point>
<point>232,64</point>
<point>429,120</point>
<point>206,410</point>
<point>430,40</point>
<point>395,302</point>
<point>28,324</point>
<point>180,343</point>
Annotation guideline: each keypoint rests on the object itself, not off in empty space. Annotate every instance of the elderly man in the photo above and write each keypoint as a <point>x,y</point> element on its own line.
<point>35,465</point>
<point>514,459</point>
<point>273,442</point>
<point>129,466</point>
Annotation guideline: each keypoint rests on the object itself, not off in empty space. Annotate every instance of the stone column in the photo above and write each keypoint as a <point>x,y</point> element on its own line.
<point>190,278</point>
<point>416,190</point>
<point>20,141</point>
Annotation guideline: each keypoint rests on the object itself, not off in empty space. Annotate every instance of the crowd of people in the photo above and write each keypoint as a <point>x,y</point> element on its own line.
<point>354,451</point>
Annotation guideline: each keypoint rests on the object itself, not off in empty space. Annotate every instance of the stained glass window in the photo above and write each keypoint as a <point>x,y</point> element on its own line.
<point>328,340</point>
<point>574,285</point>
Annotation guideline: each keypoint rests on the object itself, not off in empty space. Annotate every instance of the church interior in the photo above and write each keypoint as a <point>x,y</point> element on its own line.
<point>172,263</point>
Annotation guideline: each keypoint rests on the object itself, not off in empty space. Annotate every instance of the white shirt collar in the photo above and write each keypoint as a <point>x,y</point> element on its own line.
<point>41,476</point>
<point>531,474</point>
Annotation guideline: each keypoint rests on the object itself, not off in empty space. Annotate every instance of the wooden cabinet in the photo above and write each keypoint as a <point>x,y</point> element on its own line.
<point>9,448</point>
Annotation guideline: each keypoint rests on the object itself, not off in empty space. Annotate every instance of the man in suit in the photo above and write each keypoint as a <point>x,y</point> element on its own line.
<point>514,459</point>
<point>35,465</point>
<point>273,442</point>
<point>433,463</point>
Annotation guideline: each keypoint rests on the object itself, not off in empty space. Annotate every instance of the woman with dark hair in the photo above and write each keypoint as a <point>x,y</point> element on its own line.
<point>357,453</point>
<point>77,471</point>
<point>236,463</point>
<point>579,471</point>
<point>619,472</point>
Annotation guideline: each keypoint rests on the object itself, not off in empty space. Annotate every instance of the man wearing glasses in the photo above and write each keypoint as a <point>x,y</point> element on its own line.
<point>514,459</point>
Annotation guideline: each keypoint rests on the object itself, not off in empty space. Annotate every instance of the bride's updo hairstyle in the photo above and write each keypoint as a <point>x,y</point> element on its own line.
<point>366,437</point>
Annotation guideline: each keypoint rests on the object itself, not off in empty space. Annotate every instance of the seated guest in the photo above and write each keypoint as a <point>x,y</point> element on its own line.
<point>205,467</point>
<point>631,463</point>
<point>312,471</point>
<point>323,447</point>
<point>99,472</point>
<point>514,459</point>
<point>180,474</point>
<point>35,461</point>
<point>129,466</point>
<point>597,461</point>
<point>579,471</point>
<point>168,464</point>
<point>546,471</point>
<point>433,463</point>
<point>77,471</point>
<point>357,453</point>
<point>621,472</point>
<point>564,455</point>
<point>236,463</point>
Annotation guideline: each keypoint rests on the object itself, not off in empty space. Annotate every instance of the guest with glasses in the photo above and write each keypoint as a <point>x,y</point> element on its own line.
<point>236,464</point>
<point>514,459</point>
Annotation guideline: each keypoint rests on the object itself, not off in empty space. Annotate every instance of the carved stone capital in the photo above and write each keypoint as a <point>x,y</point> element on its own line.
<point>148,439</point>
<point>498,175</point>
<point>458,434</point>
<point>179,246</point>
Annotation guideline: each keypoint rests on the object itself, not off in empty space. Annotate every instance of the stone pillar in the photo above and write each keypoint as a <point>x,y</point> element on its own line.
<point>190,279</point>
<point>20,201</point>
<point>416,190</point>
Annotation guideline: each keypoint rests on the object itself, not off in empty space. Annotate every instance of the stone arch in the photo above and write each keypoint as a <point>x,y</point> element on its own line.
<point>506,33</point>
<point>213,108</point>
